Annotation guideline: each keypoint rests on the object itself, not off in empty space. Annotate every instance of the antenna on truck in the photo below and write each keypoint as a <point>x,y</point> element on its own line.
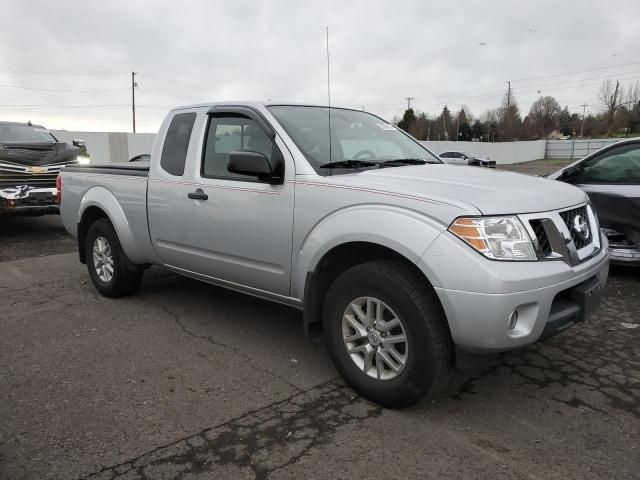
<point>329,95</point>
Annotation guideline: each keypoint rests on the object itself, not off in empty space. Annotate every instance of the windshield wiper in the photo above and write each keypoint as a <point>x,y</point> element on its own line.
<point>398,162</point>
<point>349,164</point>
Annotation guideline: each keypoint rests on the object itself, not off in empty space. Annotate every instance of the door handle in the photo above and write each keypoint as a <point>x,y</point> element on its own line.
<point>198,195</point>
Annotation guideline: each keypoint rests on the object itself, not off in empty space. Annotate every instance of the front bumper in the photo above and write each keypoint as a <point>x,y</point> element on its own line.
<point>625,256</point>
<point>25,198</point>
<point>479,295</point>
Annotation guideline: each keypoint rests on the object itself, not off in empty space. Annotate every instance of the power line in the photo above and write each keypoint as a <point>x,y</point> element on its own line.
<point>84,106</point>
<point>191,86</point>
<point>64,90</point>
<point>484,95</point>
<point>565,82</point>
<point>577,72</point>
<point>64,72</point>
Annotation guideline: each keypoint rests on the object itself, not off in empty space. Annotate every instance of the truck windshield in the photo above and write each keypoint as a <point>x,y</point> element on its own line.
<point>359,140</point>
<point>11,132</point>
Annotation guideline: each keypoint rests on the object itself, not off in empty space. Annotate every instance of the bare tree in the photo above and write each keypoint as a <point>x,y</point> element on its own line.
<point>544,114</point>
<point>611,97</point>
<point>632,97</point>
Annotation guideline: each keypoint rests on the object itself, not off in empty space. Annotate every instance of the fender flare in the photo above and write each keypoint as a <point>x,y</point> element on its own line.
<point>102,198</point>
<point>405,231</point>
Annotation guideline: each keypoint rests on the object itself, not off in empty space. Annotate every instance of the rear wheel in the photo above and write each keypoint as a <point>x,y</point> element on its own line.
<point>107,263</point>
<point>387,333</point>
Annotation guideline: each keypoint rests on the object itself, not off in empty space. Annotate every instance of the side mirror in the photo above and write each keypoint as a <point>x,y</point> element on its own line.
<point>569,174</point>
<point>252,164</point>
<point>78,143</point>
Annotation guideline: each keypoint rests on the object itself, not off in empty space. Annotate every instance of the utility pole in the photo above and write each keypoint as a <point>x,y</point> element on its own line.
<point>507,118</point>
<point>584,111</point>
<point>409,102</point>
<point>133,99</point>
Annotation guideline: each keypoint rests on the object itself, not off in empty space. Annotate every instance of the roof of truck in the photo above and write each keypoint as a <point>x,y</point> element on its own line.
<point>252,103</point>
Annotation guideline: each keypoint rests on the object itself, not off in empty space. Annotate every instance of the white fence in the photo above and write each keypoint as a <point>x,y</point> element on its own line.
<point>109,147</point>
<point>502,153</point>
<point>576,148</point>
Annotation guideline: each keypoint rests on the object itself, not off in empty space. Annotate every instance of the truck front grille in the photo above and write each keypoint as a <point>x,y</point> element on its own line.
<point>44,176</point>
<point>568,217</point>
<point>541,235</point>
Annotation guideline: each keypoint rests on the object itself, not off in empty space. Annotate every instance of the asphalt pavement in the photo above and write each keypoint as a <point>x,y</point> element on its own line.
<point>187,380</point>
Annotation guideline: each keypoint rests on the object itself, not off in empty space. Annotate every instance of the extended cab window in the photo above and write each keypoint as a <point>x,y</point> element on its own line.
<point>176,143</point>
<point>619,165</point>
<point>229,133</point>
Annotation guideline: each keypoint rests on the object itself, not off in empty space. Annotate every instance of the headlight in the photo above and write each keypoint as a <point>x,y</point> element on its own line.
<point>83,160</point>
<point>498,238</point>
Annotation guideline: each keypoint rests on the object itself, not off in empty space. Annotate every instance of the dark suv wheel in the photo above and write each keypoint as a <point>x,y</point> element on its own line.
<point>387,333</point>
<point>107,263</point>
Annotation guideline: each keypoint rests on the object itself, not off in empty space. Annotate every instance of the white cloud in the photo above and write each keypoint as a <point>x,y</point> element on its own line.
<point>194,51</point>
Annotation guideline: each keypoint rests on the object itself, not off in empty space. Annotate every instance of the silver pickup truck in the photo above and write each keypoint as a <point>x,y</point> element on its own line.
<point>403,264</point>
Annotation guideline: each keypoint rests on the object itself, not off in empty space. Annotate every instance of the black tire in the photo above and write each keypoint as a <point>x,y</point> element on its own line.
<point>124,281</point>
<point>429,356</point>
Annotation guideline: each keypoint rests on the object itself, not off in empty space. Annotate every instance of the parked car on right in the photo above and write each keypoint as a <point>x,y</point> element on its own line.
<point>144,157</point>
<point>462,158</point>
<point>611,177</point>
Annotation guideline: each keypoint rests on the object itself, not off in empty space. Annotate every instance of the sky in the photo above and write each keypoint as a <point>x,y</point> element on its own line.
<point>67,64</point>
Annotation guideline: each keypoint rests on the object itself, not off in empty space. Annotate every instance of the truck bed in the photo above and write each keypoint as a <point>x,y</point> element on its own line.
<point>120,191</point>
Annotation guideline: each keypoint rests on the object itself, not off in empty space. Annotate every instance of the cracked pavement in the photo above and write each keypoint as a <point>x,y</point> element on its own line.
<point>189,381</point>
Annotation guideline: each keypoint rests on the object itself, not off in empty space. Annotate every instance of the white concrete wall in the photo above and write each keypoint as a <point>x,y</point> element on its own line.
<point>139,143</point>
<point>577,148</point>
<point>502,153</point>
<point>109,147</point>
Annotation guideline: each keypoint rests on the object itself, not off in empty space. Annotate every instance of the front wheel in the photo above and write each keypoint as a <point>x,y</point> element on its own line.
<point>107,263</point>
<point>387,333</point>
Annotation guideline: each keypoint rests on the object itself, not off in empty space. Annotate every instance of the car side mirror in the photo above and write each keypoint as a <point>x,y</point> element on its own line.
<point>78,143</point>
<point>252,164</point>
<point>569,174</point>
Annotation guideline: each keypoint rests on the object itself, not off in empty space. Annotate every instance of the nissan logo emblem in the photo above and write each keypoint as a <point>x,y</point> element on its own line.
<point>581,227</point>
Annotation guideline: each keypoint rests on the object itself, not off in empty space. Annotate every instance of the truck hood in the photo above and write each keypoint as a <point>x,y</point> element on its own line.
<point>37,154</point>
<point>490,191</point>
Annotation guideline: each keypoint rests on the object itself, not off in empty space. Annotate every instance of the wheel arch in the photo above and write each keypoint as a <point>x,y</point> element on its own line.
<point>335,262</point>
<point>98,202</point>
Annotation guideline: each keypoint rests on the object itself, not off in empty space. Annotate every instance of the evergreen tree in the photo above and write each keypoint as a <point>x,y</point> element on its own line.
<point>408,120</point>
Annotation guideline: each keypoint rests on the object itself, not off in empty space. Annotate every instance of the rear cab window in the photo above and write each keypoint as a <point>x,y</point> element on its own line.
<point>176,143</point>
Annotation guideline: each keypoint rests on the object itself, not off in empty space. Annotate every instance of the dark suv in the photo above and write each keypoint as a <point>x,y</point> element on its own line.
<point>30,159</point>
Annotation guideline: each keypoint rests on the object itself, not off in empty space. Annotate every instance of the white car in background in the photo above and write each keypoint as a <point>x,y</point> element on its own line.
<point>462,158</point>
